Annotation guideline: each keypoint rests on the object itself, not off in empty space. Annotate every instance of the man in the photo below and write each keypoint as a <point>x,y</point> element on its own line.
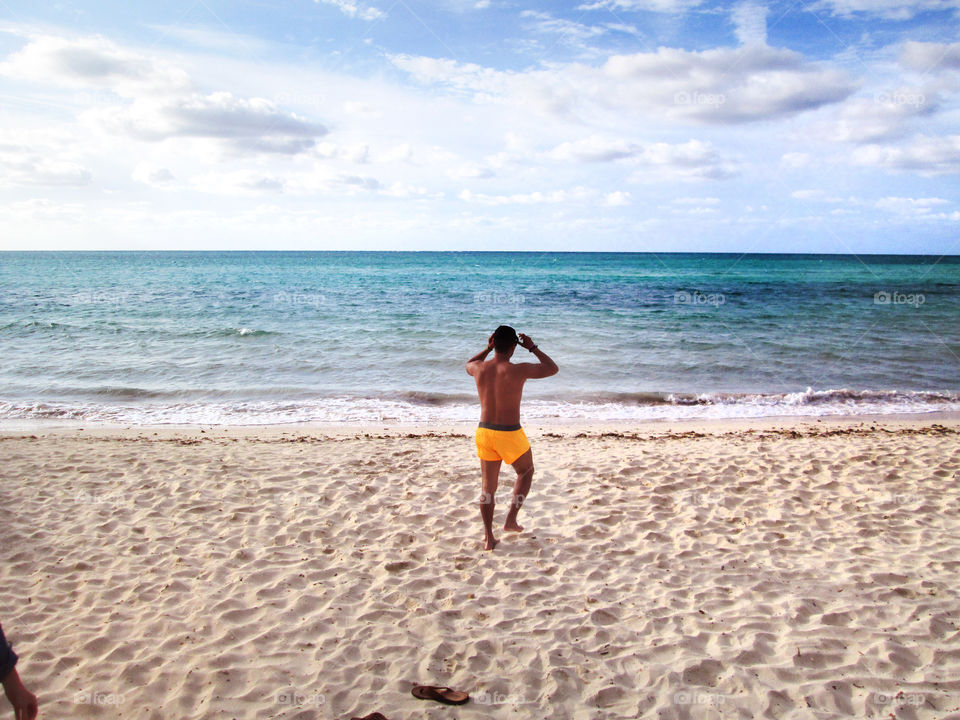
<point>24,702</point>
<point>499,436</point>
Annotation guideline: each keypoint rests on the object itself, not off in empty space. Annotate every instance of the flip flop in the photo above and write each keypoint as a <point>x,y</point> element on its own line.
<point>441,694</point>
<point>372,716</point>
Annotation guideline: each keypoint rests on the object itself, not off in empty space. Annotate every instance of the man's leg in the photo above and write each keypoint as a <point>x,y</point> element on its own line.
<point>489,479</point>
<point>524,467</point>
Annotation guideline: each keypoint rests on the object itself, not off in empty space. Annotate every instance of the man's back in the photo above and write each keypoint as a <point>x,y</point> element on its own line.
<point>500,386</point>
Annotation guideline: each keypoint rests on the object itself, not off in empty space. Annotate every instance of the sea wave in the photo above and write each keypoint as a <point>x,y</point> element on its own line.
<point>131,406</point>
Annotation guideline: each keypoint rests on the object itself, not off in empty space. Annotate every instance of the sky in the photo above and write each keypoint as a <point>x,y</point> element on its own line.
<point>828,126</point>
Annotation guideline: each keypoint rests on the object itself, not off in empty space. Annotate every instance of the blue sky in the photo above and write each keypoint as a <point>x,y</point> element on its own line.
<point>820,126</point>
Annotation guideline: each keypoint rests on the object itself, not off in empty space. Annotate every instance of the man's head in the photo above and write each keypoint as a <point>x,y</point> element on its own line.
<point>505,340</point>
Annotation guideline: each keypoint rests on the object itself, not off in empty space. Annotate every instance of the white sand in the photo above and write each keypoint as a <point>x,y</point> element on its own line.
<point>804,573</point>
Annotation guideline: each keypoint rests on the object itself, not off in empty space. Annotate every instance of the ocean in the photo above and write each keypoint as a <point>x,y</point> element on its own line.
<point>252,338</point>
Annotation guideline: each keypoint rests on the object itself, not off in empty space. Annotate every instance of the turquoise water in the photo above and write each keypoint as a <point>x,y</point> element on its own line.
<point>264,337</point>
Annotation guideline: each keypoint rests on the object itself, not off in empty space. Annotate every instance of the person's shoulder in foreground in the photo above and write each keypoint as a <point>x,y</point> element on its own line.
<point>24,702</point>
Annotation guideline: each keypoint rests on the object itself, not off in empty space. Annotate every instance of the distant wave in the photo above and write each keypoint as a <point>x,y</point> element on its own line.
<point>805,397</point>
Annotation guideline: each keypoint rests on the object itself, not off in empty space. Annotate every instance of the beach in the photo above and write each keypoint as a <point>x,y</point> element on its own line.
<point>762,568</point>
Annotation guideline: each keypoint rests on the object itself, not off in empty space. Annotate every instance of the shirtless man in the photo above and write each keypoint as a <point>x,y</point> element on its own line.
<point>499,436</point>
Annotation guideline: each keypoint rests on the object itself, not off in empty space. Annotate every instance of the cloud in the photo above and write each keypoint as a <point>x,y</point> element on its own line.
<point>817,195</point>
<point>887,9</point>
<point>239,182</point>
<point>660,6</point>
<point>570,32</point>
<point>910,206</point>
<point>924,154</point>
<point>750,22</point>
<point>696,201</point>
<point>618,198</point>
<point>153,175</point>
<point>254,125</point>
<point>886,115</point>
<point>930,57</point>
<point>721,86</point>
<point>796,160</point>
<point>724,85</point>
<point>595,149</point>
<point>21,166</point>
<point>352,9</point>
<point>535,198</point>
<point>690,161</point>
<point>92,62</point>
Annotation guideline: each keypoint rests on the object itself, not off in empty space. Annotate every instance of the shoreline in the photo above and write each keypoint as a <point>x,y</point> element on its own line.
<point>553,428</point>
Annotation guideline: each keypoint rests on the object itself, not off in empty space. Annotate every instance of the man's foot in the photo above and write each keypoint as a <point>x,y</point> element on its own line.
<point>512,526</point>
<point>491,543</point>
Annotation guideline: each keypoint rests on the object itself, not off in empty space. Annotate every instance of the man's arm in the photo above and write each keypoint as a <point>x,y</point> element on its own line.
<point>477,360</point>
<point>545,368</point>
<point>24,702</point>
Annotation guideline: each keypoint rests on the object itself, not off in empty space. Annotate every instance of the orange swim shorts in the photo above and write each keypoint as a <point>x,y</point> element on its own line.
<point>501,442</point>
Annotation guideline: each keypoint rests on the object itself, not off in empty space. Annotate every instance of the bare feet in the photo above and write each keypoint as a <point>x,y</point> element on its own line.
<point>491,543</point>
<point>512,526</point>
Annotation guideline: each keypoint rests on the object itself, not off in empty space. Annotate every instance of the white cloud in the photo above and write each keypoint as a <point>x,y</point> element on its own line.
<point>661,6</point>
<point>930,57</point>
<point>568,31</point>
<point>721,86</point>
<point>93,62</point>
<point>886,115</point>
<point>750,22</point>
<point>924,154</point>
<point>689,161</point>
<point>153,175</point>
<point>352,9</point>
<point>254,125</point>
<point>618,198</point>
<point>239,182</point>
<point>696,201</point>
<point>534,198</point>
<point>910,206</point>
<point>404,190</point>
<point>796,160</point>
<point>471,172</point>
<point>889,9</point>
<point>21,165</point>
<point>817,195</point>
<point>595,149</point>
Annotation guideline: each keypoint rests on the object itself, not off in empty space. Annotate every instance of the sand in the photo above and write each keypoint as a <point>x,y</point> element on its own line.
<point>801,570</point>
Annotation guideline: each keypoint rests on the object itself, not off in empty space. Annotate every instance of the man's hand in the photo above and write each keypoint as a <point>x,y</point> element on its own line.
<point>526,342</point>
<point>24,702</point>
<point>490,342</point>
